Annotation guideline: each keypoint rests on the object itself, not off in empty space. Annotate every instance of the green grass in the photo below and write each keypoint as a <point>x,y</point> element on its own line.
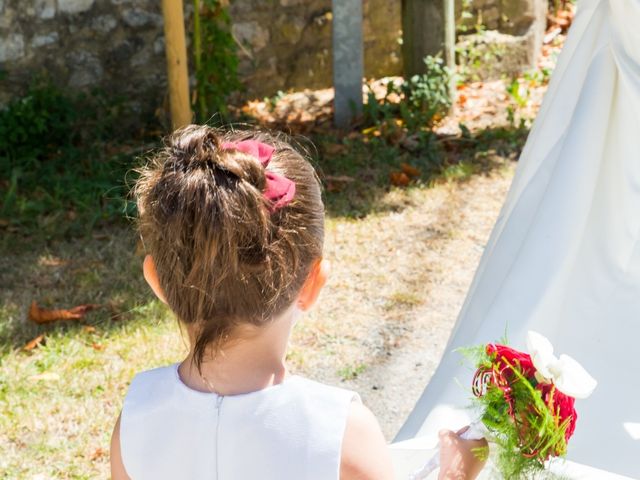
<point>351,372</point>
<point>65,161</point>
<point>64,242</point>
<point>62,399</point>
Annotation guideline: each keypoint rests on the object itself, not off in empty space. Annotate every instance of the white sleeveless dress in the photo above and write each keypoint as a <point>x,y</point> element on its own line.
<point>292,430</point>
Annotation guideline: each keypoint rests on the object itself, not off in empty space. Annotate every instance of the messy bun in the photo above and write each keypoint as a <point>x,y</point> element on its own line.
<point>223,257</point>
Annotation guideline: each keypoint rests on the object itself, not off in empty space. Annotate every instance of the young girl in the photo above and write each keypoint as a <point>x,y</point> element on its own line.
<point>233,226</point>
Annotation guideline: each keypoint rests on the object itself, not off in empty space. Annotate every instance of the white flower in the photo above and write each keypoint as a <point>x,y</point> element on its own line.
<point>567,375</point>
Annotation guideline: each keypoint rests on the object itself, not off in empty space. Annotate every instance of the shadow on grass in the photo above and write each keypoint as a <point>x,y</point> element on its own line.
<point>104,266</point>
<point>356,172</point>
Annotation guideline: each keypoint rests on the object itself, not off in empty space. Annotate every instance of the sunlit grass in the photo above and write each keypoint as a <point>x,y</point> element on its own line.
<point>58,402</point>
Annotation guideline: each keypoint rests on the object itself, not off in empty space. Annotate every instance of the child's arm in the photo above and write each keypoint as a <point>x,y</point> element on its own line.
<point>117,467</point>
<point>365,455</point>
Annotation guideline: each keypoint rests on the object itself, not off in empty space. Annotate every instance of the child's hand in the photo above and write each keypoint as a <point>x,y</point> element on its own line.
<point>458,461</point>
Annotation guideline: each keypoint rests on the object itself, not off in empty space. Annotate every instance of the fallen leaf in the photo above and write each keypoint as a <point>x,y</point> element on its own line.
<point>410,170</point>
<point>50,261</point>
<point>41,315</point>
<point>45,376</point>
<point>335,148</point>
<point>399,179</point>
<point>34,343</point>
<point>97,453</point>
<point>462,99</point>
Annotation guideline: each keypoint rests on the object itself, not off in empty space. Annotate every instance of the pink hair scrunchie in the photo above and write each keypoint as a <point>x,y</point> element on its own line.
<point>279,190</point>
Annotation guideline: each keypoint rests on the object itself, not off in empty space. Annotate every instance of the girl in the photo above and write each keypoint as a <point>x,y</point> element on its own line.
<point>233,226</point>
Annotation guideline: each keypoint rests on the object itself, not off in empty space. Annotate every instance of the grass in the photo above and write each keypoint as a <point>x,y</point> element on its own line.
<point>351,372</point>
<point>65,161</point>
<point>65,243</point>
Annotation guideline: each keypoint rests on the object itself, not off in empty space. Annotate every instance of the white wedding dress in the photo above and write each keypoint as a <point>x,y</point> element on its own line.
<point>564,255</point>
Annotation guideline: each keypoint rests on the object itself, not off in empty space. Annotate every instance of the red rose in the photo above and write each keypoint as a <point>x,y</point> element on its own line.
<point>503,356</point>
<point>562,405</point>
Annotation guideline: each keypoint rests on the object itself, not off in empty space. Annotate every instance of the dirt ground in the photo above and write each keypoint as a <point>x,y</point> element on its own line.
<point>433,246</point>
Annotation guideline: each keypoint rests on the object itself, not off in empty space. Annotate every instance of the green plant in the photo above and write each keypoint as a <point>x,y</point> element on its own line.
<point>55,176</point>
<point>519,93</point>
<point>215,58</point>
<point>33,125</point>
<point>272,101</point>
<point>423,99</point>
<point>468,22</point>
<point>352,371</point>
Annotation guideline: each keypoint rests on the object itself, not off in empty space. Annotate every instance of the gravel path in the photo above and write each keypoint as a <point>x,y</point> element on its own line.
<point>392,386</point>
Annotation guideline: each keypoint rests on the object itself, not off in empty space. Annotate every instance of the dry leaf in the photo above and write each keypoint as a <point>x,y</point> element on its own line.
<point>335,148</point>
<point>399,179</point>
<point>410,170</point>
<point>50,261</point>
<point>34,343</point>
<point>41,315</point>
<point>97,453</point>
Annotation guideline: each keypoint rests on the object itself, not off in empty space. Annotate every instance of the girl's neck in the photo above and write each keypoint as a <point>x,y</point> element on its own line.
<point>253,360</point>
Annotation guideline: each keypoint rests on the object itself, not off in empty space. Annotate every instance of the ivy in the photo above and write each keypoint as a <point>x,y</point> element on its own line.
<point>215,58</point>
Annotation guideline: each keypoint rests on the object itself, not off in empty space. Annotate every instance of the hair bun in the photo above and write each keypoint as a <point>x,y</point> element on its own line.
<point>200,147</point>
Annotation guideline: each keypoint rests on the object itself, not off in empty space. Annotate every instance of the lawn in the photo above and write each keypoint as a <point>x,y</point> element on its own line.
<point>59,399</point>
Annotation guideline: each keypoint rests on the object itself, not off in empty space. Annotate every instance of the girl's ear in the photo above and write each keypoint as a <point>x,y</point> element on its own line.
<point>316,279</point>
<point>151,276</point>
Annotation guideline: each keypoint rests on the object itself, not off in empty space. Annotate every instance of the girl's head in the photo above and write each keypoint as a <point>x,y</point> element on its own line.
<point>223,254</point>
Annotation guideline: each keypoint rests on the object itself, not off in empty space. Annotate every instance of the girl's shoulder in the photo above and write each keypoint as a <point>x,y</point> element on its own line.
<point>164,383</point>
<point>300,416</point>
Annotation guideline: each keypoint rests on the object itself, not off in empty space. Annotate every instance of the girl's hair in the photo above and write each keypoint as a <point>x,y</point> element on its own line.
<point>222,257</point>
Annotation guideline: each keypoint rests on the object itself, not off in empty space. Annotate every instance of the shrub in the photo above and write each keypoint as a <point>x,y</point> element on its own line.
<point>55,174</point>
<point>423,99</point>
<point>31,126</point>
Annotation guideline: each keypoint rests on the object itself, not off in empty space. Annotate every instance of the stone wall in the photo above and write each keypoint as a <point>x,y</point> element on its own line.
<point>118,45</point>
<point>510,38</point>
<point>287,43</point>
<point>115,45</point>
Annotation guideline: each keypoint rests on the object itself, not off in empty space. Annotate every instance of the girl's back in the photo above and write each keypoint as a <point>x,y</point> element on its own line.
<point>290,430</point>
<point>233,224</point>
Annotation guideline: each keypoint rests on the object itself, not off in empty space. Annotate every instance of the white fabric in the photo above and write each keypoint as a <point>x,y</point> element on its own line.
<point>564,256</point>
<point>290,430</point>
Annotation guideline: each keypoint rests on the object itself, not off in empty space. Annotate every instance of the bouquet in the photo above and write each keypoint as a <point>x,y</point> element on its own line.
<point>526,403</point>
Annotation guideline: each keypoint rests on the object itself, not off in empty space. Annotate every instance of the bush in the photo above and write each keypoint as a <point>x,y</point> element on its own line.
<point>31,126</point>
<point>423,99</point>
<point>55,176</point>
